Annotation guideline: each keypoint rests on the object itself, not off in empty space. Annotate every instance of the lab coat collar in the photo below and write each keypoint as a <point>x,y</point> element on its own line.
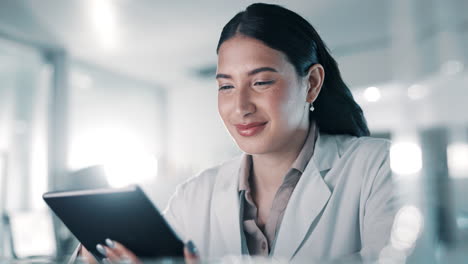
<point>226,209</point>
<point>326,152</point>
<point>308,200</point>
<point>306,204</point>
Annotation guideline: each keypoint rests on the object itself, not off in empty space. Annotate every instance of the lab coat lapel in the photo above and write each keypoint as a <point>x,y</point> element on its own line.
<point>226,209</point>
<point>308,200</point>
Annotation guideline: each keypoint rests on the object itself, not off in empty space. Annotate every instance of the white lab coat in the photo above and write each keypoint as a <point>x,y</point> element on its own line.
<point>343,204</point>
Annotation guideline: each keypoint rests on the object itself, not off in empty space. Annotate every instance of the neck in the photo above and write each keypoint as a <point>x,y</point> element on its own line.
<point>269,168</point>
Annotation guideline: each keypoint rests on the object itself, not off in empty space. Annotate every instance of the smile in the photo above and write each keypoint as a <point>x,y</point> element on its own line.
<point>251,129</point>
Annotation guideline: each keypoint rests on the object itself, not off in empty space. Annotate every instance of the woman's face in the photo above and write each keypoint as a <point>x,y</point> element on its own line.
<point>261,99</point>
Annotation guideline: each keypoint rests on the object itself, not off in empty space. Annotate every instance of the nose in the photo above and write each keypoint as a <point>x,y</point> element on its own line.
<point>244,102</point>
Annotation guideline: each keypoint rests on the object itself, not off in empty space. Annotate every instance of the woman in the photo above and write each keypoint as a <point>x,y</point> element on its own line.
<point>311,184</point>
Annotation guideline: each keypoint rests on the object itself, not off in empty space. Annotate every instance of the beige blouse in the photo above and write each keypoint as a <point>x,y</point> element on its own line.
<point>260,241</point>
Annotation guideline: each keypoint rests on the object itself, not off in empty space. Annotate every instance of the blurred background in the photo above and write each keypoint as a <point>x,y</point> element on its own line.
<point>113,92</point>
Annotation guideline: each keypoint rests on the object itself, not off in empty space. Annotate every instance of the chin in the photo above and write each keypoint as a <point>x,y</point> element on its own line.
<point>254,147</point>
<point>259,144</point>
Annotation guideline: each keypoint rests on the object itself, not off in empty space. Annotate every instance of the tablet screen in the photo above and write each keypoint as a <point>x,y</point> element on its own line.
<point>125,215</point>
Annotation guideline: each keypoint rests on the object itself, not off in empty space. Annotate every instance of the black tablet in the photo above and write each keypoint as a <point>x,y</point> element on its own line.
<point>125,215</point>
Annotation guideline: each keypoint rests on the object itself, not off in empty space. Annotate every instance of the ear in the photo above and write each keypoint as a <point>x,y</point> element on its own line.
<point>315,78</point>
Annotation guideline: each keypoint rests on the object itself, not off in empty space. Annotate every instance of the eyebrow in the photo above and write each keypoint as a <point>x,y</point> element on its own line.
<point>250,73</point>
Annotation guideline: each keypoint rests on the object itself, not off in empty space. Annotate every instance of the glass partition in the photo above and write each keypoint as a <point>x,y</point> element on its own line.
<point>25,82</point>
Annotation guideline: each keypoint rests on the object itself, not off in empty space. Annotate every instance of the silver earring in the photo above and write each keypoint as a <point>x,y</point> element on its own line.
<point>312,107</point>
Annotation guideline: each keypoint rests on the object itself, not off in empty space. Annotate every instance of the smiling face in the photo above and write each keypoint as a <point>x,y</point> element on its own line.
<point>261,99</point>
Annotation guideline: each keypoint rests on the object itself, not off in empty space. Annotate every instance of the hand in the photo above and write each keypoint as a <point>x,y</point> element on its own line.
<point>114,252</point>
<point>85,256</point>
<point>191,253</point>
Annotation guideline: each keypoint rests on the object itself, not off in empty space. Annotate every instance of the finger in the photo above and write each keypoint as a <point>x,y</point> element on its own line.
<point>102,250</point>
<point>124,253</point>
<point>191,253</point>
<point>111,251</point>
<point>112,255</point>
<point>85,255</point>
<point>190,258</point>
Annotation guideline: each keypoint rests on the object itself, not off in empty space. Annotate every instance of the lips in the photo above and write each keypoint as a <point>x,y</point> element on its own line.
<point>250,129</point>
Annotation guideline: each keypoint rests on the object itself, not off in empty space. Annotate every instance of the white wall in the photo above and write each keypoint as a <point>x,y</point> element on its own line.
<point>198,138</point>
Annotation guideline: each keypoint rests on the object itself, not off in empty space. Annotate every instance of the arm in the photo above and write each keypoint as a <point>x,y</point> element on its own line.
<point>175,213</point>
<point>379,210</point>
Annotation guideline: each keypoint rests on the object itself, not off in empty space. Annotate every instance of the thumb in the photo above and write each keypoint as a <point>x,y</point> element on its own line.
<point>191,253</point>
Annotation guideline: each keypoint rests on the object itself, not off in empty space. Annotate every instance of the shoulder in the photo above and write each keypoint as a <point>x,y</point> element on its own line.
<point>365,162</point>
<point>356,157</point>
<point>193,197</point>
<point>353,143</point>
<point>374,150</point>
<point>364,148</point>
<point>371,143</point>
<point>207,179</point>
<point>368,159</point>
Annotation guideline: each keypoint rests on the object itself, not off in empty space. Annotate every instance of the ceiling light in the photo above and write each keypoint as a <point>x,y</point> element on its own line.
<point>407,227</point>
<point>457,155</point>
<point>372,94</point>
<point>405,158</point>
<point>103,17</point>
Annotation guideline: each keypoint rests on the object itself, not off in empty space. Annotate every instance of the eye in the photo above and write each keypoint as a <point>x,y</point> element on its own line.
<point>264,82</point>
<point>225,87</point>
